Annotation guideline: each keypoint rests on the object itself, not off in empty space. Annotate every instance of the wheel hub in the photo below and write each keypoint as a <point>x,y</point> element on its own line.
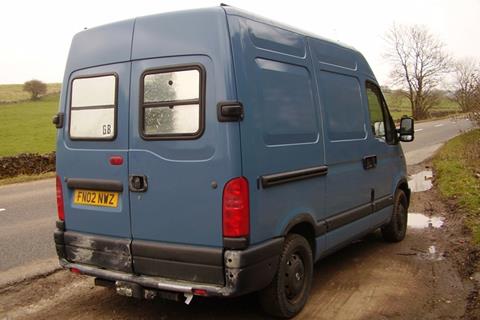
<point>294,276</point>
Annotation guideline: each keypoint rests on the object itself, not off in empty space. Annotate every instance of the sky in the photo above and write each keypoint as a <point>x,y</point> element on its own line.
<point>35,35</point>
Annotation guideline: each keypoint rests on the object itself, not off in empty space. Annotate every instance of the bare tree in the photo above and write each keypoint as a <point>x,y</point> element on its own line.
<point>419,63</point>
<point>467,84</point>
<point>35,87</point>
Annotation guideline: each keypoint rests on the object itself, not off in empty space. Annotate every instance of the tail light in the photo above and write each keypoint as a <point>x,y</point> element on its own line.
<point>60,211</point>
<point>236,208</point>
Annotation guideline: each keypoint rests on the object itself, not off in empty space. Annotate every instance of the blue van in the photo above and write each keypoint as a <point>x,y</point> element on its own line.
<point>215,153</point>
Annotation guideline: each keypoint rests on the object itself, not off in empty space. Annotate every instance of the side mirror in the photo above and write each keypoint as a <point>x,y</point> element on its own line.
<point>406,133</point>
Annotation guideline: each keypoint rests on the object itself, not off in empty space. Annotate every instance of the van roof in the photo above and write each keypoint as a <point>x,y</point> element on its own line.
<point>201,28</point>
<point>248,15</point>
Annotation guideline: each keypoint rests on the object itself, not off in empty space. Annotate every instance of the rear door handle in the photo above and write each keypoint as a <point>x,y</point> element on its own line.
<point>369,162</point>
<point>137,183</point>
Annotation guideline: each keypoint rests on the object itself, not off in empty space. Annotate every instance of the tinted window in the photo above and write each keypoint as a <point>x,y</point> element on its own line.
<point>172,103</point>
<point>288,110</point>
<point>92,108</point>
<point>345,119</point>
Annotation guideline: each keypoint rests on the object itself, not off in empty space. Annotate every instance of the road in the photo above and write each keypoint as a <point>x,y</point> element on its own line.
<point>429,136</point>
<point>28,210</point>
<point>28,213</point>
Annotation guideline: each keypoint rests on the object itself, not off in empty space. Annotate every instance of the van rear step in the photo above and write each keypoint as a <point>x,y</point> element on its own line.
<point>134,290</point>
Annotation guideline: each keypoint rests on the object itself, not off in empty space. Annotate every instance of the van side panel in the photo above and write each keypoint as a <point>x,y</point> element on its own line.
<point>281,132</point>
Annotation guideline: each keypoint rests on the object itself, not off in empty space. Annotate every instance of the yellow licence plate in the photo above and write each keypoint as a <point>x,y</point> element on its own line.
<point>95,198</point>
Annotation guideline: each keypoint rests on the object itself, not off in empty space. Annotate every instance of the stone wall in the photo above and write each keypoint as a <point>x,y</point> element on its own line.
<point>26,164</point>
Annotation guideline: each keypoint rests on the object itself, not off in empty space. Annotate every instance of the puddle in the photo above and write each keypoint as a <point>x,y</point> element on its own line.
<point>432,254</point>
<point>421,221</point>
<point>421,181</point>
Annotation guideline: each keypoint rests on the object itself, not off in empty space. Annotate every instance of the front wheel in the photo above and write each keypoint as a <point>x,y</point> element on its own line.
<point>289,290</point>
<point>396,229</point>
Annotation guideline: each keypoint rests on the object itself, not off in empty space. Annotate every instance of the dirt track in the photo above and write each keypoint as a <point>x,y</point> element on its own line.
<point>369,279</point>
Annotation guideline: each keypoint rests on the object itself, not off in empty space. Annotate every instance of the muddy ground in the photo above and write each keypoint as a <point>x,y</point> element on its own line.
<point>430,275</point>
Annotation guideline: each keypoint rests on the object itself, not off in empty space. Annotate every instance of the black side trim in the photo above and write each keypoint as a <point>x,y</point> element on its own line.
<point>95,184</point>
<point>382,203</point>
<point>320,227</point>
<point>235,243</point>
<point>290,176</point>
<point>348,216</point>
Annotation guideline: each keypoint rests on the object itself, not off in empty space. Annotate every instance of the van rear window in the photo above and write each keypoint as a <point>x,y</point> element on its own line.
<point>93,107</point>
<point>171,106</point>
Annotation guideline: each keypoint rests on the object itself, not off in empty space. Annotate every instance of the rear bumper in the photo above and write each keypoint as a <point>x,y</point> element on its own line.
<point>241,271</point>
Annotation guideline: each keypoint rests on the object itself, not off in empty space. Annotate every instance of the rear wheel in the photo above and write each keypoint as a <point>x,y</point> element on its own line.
<point>396,229</point>
<point>288,292</point>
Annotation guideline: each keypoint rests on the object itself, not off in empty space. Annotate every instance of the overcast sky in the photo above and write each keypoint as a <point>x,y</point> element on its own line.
<point>36,35</point>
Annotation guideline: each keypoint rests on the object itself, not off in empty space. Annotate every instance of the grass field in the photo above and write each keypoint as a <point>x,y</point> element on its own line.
<point>458,175</point>
<point>27,126</point>
<point>14,92</point>
<point>399,106</point>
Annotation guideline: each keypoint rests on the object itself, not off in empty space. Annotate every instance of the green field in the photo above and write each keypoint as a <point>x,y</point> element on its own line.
<point>457,169</point>
<point>14,92</point>
<point>27,126</point>
<point>399,106</point>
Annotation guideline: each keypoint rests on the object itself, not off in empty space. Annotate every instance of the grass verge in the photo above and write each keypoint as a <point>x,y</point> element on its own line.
<point>457,166</point>
<point>24,178</point>
<point>27,126</point>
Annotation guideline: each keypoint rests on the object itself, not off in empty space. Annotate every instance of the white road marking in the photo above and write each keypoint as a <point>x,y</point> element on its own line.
<point>1,209</point>
<point>439,125</point>
<point>416,130</point>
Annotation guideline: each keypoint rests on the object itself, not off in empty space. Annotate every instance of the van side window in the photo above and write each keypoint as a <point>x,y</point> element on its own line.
<point>171,105</point>
<point>287,118</point>
<point>381,122</point>
<point>376,114</point>
<point>93,106</point>
<point>345,117</point>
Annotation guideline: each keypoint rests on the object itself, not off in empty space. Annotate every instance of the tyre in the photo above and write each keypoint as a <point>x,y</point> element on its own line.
<point>289,290</point>
<point>396,229</point>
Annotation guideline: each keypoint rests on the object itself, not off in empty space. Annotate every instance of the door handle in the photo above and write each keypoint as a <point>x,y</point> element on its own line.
<point>369,162</point>
<point>137,183</point>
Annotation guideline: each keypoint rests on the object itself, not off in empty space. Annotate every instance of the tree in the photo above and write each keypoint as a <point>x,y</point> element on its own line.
<point>467,84</point>
<point>419,63</point>
<point>35,87</point>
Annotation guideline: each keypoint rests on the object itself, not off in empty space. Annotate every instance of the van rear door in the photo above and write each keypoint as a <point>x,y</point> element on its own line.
<point>178,156</point>
<point>93,167</point>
